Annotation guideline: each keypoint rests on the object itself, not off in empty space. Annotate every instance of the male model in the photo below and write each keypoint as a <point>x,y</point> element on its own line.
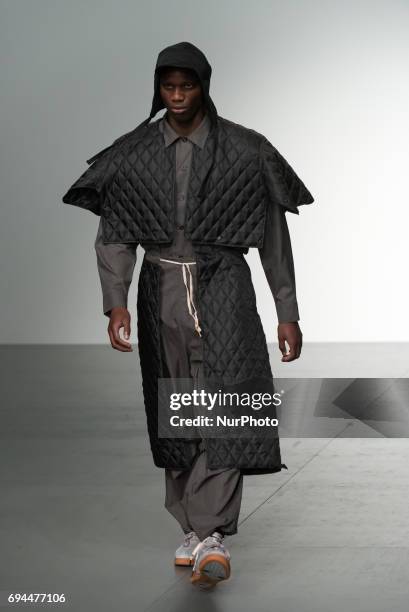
<point>196,191</point>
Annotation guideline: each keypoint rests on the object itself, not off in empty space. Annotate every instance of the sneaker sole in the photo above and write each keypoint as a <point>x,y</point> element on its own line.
<point>184,561</point>
<point>213,569</point>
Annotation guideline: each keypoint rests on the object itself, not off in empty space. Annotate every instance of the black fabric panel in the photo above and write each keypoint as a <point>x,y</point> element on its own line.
<point>234,350</point>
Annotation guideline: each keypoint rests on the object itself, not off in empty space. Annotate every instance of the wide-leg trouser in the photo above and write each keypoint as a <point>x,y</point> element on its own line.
<point>200,499</point>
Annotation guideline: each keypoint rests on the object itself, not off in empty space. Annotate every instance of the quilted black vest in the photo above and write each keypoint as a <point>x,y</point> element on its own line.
<point>131,184</point>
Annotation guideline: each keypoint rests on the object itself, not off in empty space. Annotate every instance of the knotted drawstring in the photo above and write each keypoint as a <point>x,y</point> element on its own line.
<point>189,294</point>
<point>189,290</point>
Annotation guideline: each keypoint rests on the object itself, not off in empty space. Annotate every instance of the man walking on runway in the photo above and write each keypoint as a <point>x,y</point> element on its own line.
<point>196,191</point>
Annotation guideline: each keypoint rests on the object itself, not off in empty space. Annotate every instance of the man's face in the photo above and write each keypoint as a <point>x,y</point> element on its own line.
<point>181,94</point>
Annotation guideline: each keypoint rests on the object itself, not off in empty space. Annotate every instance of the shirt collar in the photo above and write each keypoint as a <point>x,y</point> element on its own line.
<point>198,136</point>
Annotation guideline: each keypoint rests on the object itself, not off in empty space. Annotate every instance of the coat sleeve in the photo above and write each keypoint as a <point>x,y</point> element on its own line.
<point>277,260</point>
<point>116,263</point>
<point>283,185</point>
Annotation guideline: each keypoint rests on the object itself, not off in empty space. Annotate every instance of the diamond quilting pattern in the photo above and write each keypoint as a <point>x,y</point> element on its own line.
<point>234,350</point>
<point>138,203</point>
<point>131,185</point>
<point>284,186</point>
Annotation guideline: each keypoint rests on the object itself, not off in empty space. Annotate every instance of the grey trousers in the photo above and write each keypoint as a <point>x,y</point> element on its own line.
<point>200,499</point>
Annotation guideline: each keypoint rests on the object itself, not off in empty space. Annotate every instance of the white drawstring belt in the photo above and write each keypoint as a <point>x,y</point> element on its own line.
<point>189,290</point>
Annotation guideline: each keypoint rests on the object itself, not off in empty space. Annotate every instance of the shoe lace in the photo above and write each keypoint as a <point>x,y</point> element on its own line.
<point>188,537</point>
<point>213,541</point>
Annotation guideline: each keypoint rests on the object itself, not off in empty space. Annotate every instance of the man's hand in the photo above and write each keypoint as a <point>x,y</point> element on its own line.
<point>120,317</point>
<point>291,333</point>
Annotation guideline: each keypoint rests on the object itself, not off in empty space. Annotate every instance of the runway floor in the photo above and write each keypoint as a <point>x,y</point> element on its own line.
<point>82,504</point>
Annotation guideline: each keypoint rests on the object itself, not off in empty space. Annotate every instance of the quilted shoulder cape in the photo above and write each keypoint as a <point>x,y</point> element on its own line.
<point>233,179</point>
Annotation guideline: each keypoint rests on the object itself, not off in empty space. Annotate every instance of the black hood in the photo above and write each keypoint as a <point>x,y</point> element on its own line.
<point>183,55</point>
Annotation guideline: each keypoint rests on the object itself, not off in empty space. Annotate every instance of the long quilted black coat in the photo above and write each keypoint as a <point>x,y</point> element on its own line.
<point>134,194</point>
<point>131,185</point>
<point>234,352</point>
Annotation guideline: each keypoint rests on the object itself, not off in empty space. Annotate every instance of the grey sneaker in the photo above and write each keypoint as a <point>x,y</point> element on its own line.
<point>184,554</point>
<point>211,562</point>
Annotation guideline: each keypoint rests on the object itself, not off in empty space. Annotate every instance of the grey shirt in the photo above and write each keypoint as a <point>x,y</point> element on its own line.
<point>116,262</point>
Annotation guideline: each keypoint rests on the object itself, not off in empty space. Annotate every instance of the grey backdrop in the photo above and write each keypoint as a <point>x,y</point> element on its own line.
<point>326,82</point>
